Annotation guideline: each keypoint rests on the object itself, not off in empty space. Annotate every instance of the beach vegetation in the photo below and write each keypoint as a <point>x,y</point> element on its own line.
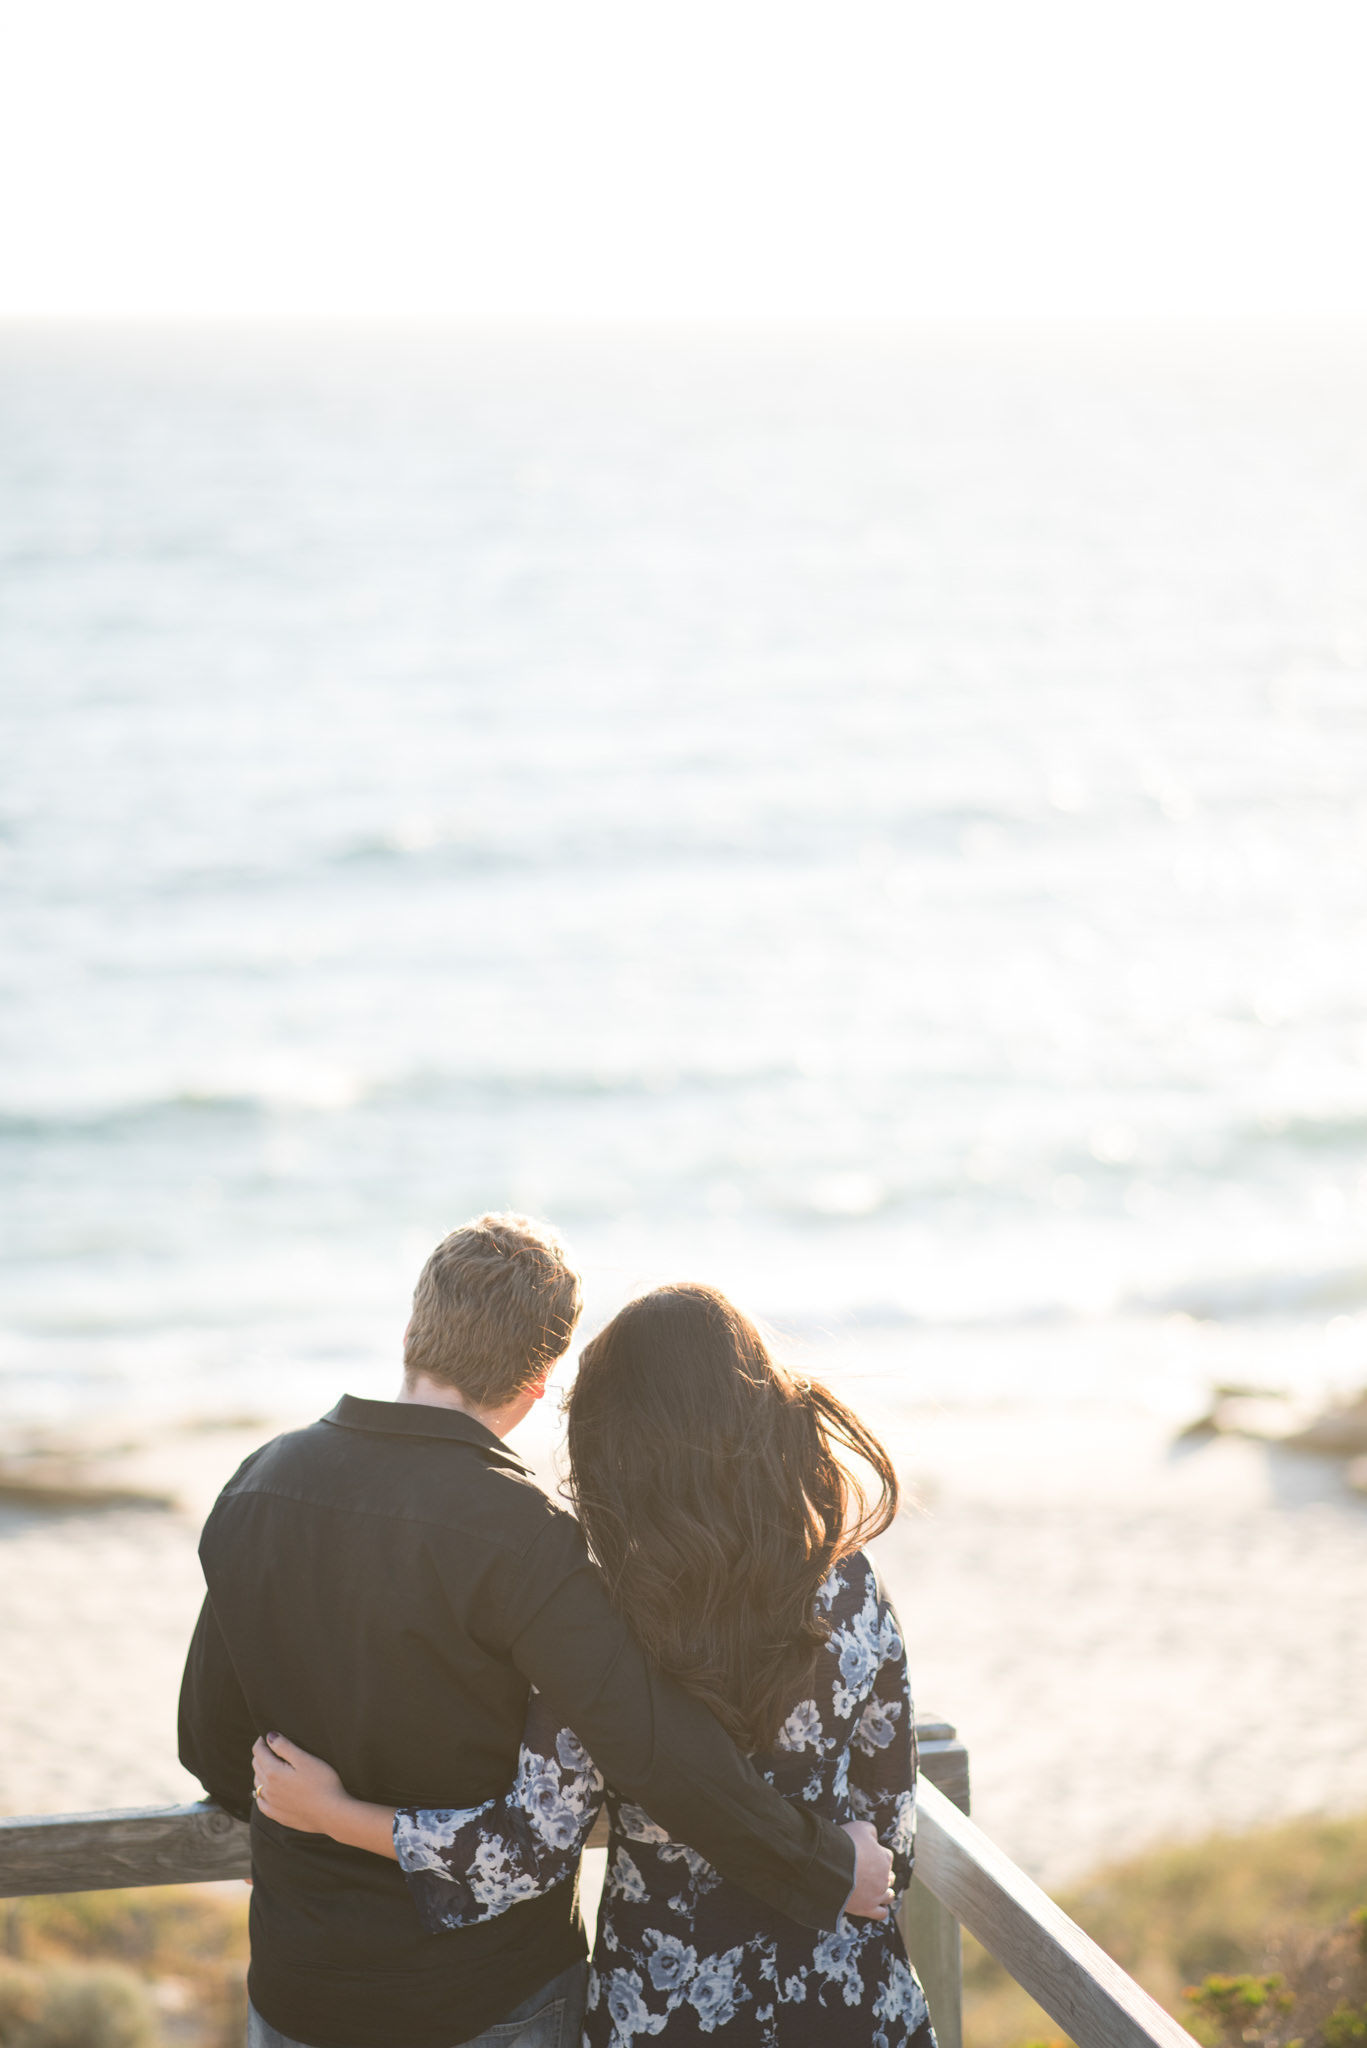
<point>158,1968</point>
<point>1219,1919</point>
<point>1231,2009</point>
<point>1346,2026</point>
<point>75,2007</point>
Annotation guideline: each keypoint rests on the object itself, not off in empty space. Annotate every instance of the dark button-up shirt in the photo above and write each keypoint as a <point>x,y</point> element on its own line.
<point>383,1587</point>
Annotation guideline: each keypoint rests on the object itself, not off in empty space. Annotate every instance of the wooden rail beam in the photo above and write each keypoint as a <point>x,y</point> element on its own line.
<point>137,1845</point>
<point>96,1852</point>
<point>1081,1988</point>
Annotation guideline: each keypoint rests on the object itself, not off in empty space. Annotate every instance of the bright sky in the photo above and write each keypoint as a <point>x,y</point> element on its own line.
<point>769,158</point>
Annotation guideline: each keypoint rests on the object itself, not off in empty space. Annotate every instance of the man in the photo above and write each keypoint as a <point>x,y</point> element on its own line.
<point>383,1587</point>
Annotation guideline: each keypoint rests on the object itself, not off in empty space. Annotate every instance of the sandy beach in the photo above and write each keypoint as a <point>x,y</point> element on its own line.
<point>1135,1640</point>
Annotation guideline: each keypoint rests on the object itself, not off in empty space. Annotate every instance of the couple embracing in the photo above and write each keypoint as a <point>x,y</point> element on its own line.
<point>421,1680</point>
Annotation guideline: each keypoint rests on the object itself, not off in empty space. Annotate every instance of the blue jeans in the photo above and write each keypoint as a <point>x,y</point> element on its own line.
<point>552,2017</point>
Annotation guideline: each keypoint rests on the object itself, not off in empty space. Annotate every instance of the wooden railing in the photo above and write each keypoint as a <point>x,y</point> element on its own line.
<point>100,1852</point>
<point>962,1879</point>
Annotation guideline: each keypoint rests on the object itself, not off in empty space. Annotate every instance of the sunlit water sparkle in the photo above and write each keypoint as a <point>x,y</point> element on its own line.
<point>877,822</point>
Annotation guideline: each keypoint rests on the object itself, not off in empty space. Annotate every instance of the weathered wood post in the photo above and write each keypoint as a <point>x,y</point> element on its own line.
<point>929,1929</point>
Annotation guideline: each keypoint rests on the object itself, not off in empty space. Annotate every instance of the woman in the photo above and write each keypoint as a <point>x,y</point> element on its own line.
<point>712,1495</point>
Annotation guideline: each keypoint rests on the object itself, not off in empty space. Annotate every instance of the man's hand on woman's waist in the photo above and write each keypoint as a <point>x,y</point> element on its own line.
<point>872,1896</point>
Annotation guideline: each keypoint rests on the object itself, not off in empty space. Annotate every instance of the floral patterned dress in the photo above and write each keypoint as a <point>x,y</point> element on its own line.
<point>681,1950</point>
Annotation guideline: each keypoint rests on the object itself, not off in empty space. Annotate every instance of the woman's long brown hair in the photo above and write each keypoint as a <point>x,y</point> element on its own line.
<point>709,1486</point>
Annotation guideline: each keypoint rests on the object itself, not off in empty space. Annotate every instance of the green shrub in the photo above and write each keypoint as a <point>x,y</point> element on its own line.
<point>186,1943</point>
<point>74,2008</point>
<point>1346,2027</point>
<point>20,1999</point>
<point>1232,2002</point>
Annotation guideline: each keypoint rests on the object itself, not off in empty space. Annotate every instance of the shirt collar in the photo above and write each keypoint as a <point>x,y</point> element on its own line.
<point>416,1418</point>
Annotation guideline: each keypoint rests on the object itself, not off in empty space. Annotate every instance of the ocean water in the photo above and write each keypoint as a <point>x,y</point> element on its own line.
<point>876,821</point>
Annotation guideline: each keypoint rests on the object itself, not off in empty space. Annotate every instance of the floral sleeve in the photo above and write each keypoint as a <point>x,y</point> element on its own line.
<point>468,1864</point>
<point>873,1690</point>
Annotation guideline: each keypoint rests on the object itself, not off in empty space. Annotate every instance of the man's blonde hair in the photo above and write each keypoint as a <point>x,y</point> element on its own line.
<point>495,1304</point>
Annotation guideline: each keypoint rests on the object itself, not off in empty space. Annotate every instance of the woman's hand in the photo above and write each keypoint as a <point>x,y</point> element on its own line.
<point>301,1791</point>
<point>294,1788</point>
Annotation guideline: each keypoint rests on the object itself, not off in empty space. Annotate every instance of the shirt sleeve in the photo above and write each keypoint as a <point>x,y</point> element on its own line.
<point>660,1748</point>
<point>468,1864</point>
<point>216,1731</point>
<point>882,1777</point>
